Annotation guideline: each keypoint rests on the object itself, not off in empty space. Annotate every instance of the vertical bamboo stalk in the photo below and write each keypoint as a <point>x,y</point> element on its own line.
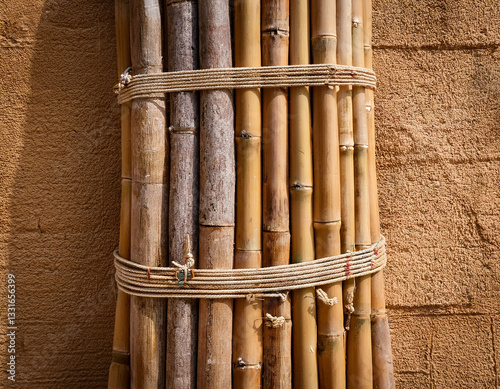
<point>182,315</point>
<point>276,236</point>
<point>247,326</point>
<point>383,375</point>
<point>304,332</point>
<point>359,356</point>
<point>346,144</point>
<point>327,210</point>
<point>149,198</point>
<point>217,195</point>
<point>119,371</point>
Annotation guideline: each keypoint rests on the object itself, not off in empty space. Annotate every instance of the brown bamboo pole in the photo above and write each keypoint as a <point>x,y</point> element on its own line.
<point>359,355</point>
<point>217,195</point>
<point>327,210</point>
<point>304,331</point>
<point>247,325</point>
<point>277,371</point>
<point>182,315</point>
<point>383,375</point>
<point>149,198</point>
<point>119,371</point>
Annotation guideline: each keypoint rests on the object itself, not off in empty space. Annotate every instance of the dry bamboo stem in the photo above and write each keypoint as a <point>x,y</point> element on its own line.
<point>359,356</point>
<point>149,198</point>
<point>276,236</point>
<point>182,315</point>
<point>301,195</point>
<point>119,371</point>
<point>217,195</point>
<point>383,375</point>
<point>327,212</point>
<point>247,326</point>
<point>346,143</point>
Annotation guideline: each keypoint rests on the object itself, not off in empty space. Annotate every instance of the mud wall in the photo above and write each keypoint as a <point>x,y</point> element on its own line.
<point>438,121</point>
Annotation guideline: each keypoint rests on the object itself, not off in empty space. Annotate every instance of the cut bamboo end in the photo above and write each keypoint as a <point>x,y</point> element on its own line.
<point>248,194</point>
<point>304,338</point>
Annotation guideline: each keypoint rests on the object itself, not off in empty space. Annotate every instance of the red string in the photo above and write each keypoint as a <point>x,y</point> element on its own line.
<point>149,273</point>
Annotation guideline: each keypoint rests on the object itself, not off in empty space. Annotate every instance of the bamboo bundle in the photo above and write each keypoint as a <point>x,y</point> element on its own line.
<point>119,371</point>
<point>276,236</point>
<point>301,195</point>
<point>327,210</point>
<point>383,376</point>
<point>182,315</point>
<point>359,356</point>
<point>149,198</point>
<point>217,195</point>
<point>247,329</point>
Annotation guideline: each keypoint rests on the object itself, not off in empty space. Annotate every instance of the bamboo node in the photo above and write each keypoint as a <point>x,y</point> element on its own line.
<point>274,321</point>
<point>323,297</point>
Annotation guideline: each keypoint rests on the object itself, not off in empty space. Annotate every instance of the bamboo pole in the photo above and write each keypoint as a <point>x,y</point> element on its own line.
<point>182,314</point>
<point>359,355</point>
<point>217,195</point>
<point>327,210</point>
<point>119,371</point>
<point>383,375</point>
<point>247,326</point>
<point>276,236</point>
<point>149,198</point>
<point>304,331</point>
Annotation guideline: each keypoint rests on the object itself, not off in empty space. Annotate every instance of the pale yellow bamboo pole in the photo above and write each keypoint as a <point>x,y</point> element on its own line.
<point>346,144</point>
<point>247,325</point>
<point>327,212</point>
<point>119,371</point>
<point>181,34</point>
<point>383,375</point>
<point>277,367</point>
<point>217,195</point>
<point>359,356</point>
<point>304,330</point>
<point>149,221</point>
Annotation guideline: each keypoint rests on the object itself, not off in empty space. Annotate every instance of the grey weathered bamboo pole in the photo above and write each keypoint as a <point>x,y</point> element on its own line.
<point>247,330</point>
<point>359,356</point>
<point>383,375</point>
<point>119,371</point>
<point>276,236</point>
<point>217,195</point>
<point>182,315</point>
<point>327,207</point>
<point>149,198</point>
<point>304,329</point>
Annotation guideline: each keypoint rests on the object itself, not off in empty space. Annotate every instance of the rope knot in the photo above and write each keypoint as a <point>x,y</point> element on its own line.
<point>125,78</point>
<point>185,273</point>
<point>274,321</point>
<point>323,297</point>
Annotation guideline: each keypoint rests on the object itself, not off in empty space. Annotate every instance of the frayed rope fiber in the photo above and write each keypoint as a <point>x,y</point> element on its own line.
<point>155,85</point>
<point>183,281</point>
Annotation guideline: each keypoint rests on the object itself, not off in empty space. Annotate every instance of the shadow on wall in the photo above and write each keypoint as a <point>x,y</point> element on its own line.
<point>64,207</point>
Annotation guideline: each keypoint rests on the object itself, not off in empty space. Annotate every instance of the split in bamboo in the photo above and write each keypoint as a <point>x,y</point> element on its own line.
<point>217,195</point>
<point>383,375</point>
<point>149,198</point>
<point>304,329</point>
<point>182,314</point>
<point>247,327</point>
<point>327,198</point>
<point>119,371</point>
<point>359,356</point>
<point>277,367</point>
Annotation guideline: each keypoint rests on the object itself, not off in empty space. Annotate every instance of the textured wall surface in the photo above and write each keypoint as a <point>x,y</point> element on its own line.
<point>438,121</point>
